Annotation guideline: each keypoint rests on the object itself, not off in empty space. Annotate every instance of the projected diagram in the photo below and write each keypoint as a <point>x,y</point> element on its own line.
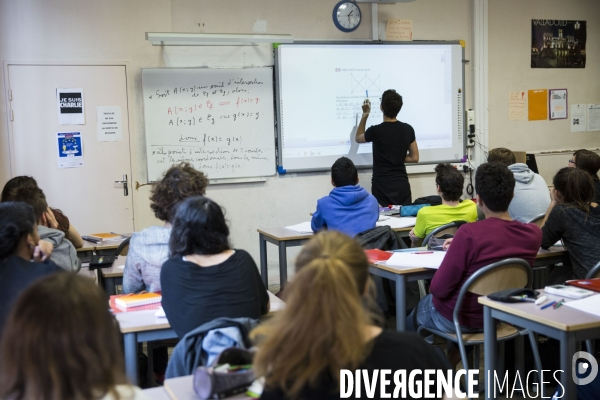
<point>361,83</point>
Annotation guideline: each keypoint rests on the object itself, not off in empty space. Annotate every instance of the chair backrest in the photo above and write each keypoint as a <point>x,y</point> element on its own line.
<point>124,243</point>
<point>594,272</point>
<point>501,275</point>
<point>380,237</point>
<point>452,227</point>
<point>538,220</point>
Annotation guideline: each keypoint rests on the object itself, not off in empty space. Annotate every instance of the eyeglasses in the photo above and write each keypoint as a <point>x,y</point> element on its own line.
<point>572,162</point>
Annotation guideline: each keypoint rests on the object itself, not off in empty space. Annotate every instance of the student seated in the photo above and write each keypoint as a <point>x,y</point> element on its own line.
<point>590,163</point>
<point>149,249</point>
<point>474,246</point>
<point>449,185</point>
<point>64,254</point>
<point>325,327</point>
<point>57,219</point>
<point>205,278</point>
<point>61,342</point>
<point>531,191</point>
<point>349,208</point>
<point>572,218</point>
<point>20,244</point>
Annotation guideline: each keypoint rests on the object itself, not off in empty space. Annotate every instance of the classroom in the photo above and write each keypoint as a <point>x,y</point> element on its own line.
<point>496,36</point>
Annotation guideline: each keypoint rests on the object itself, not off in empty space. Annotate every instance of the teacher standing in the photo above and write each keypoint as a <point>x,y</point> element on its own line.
<point>394,144</point>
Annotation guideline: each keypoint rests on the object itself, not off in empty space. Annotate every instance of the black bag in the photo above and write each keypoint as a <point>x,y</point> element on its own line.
<point>431,200</point>
<point>211,384</point>
<point>506,296</point>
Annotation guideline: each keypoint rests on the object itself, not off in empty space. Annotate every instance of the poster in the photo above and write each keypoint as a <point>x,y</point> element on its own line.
<point>70,106</point>
<point>593,117</point>
<point>517,106</point>
<point>109,128</point>
<point>578,118</point>
<point>399,30</point>
<point>70,150</point>
<point>558,43</point>
<point>537,104</point>
<point>557,99</point>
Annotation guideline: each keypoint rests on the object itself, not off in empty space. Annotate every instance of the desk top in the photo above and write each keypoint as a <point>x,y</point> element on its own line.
<point>111,244</point>
<point>562,318</point>
<point>180,388</point>
<point>114,271</point>
<point>551,252</point>
<point>284,234</point>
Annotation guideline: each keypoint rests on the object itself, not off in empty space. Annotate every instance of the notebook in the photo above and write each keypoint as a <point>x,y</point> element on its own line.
<point>589,284</point>
<point>417,259</point>
<point>102,237</point>
<point>568,291</point>
<point>136,300</point>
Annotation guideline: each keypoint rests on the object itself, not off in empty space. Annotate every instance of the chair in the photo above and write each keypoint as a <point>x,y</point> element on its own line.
<point>501,275</point>
<point>124,243</point>
<point>538,220</point>
<point>594,272</point>
<point>451,227</point>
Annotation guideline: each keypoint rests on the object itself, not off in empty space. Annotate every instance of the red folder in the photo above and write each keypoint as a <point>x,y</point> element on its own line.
<point>589,284</point>
<point>376,255</point>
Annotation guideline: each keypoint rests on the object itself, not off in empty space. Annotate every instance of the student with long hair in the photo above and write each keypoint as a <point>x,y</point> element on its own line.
<point>62,343</point>
<point>573,218</point>
<point>590,163</point>
<point>24,258</point>
<point>324,327</point>
<point>205,278</point>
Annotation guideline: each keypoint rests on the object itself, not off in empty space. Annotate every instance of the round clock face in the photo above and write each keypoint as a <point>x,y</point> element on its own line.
<point>346,16</point>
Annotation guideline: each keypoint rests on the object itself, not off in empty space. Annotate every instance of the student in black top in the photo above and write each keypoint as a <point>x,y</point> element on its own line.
<point>19,245</point>
<point>392,140</point>
<point>573,218</point>
<point>325,327</point>
<point>205,279</point>
<point>590,163</point>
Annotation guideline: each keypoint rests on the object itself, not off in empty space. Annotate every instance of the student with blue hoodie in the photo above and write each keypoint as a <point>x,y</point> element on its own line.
<point>349,208</point>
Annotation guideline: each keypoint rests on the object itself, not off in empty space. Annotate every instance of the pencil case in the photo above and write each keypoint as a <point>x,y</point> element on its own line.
<point>209,383</point>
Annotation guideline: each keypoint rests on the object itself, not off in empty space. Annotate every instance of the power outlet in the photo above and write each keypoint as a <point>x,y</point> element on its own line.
<point>471,128</point>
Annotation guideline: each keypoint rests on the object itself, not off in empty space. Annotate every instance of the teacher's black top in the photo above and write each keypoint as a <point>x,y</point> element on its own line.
<point>193,295</point>
<point>391,141</point>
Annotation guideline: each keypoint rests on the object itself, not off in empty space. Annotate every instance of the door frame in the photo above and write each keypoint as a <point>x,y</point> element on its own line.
<point>128,120</point>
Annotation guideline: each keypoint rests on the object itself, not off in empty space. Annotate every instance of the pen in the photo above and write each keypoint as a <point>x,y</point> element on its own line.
<point>560,303</point>
<point>548,305</point>
<point>367,94</point>
<point>424,252</point>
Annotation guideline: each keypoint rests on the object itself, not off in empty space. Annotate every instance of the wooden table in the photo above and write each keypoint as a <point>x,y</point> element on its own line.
<point>181,388</point>
<point>143,326</point>
<point>105,248</point>
<point>284,238</point>
<point>403,275</point>
<point>564,324</point>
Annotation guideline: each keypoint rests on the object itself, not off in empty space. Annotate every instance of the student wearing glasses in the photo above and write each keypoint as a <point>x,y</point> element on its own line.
<point>394,144</point>
<point>590,163</point>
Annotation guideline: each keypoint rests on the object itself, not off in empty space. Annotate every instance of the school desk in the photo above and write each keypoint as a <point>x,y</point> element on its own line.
<point>403,275</point>
<point>111,277</point>
<point>143,326</point>
<point>564,324</point>
<point>181,388</point>
<point>284,238</point>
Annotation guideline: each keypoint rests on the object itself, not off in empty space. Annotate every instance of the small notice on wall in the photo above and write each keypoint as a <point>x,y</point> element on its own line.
<point>399,30</point>
<point>517,106</point>
<point>70,106</point>
<point>558,103</point>
<point>70,150</point>
<point>593,117</point>
<point>537,104</point>
<point>578,118</point>
<point>109,127</point>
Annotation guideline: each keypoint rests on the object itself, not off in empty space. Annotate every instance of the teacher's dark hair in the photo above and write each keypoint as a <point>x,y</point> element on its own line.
<point>391,103</point>
<point>495,185</point>
<point>61,342</point>
<point>199,227</point>
<point>16,221</point>
<point>17,182</point>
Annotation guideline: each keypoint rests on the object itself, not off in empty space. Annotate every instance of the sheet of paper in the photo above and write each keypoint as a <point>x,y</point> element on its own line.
<point>394,222</point>
<point>69,150</point>
<point>276,303</point>
<point>418,259</point>
<point>383,217</point>
<point>303,227</point>
<point>593,117</point>
<point>537,104</point>
<point>517,106</point>
<point>589,304</point>
<point>399,30</point>
<point>578,118</point>
<point>558,103</point>
<point>109,127</point>
<point>70,106</point>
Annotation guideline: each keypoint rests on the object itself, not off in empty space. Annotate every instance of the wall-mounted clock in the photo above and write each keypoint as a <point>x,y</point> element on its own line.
<point>346,16</point>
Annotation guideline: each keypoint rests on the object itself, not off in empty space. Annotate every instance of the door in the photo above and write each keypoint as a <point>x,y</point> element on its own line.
<point>88,195</point>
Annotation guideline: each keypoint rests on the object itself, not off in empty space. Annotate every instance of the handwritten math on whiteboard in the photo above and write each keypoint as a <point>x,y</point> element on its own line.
<point>219,120</point>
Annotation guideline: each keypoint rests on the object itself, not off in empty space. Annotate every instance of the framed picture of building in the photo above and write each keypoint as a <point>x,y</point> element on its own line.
<point>558,43</point>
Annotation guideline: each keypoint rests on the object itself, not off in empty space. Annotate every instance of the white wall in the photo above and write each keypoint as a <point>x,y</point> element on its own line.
<point>72,31</point>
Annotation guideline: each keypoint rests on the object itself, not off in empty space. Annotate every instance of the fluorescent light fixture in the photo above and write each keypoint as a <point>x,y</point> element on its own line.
<point>214,39</point>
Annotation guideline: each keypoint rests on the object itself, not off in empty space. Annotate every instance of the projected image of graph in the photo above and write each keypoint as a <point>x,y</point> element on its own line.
<point>363,82</point>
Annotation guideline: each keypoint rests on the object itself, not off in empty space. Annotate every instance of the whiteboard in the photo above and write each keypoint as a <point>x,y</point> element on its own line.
<point>220,120</point>
<point>321,88</point>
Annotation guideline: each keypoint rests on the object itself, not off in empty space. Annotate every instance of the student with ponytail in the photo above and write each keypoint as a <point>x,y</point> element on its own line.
<point>19,245</point>
<point>325,327</point>
<point>573,218</point>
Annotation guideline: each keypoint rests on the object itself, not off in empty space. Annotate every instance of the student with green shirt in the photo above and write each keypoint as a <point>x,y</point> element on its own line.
<point>449,185</point>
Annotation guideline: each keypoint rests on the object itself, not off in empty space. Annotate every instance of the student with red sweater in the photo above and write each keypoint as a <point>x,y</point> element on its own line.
<point>474,246</point>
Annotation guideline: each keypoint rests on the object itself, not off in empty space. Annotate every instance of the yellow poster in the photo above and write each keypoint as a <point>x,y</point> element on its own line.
<point>538,104</point>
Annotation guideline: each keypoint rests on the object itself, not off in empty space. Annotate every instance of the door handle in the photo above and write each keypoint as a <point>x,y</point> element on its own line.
<point>124,182</point>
